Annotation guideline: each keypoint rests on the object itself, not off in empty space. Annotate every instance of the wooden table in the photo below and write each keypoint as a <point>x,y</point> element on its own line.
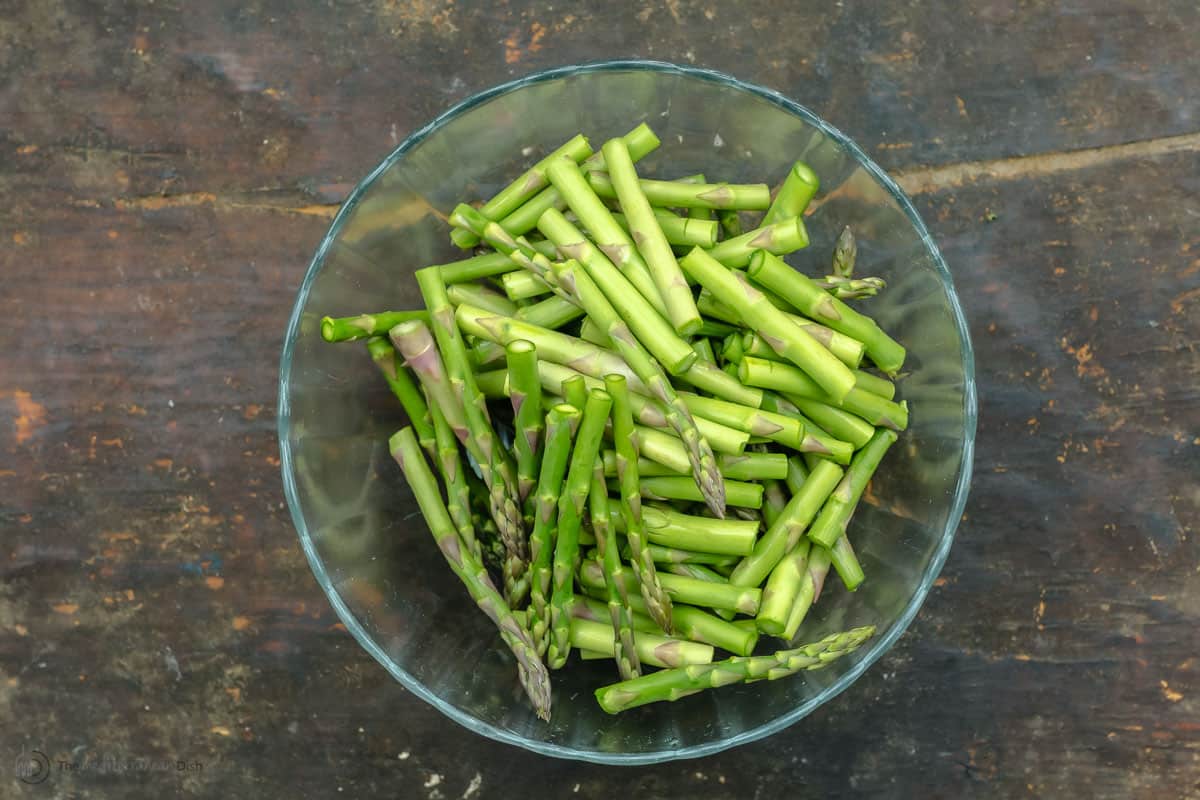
<point>166,170</point>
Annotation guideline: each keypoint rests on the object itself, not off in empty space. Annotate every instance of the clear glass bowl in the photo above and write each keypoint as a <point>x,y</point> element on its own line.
<point>359,524</point>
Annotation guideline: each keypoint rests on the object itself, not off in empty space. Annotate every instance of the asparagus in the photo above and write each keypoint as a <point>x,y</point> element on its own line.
<point>780,238</point>
<point>658,603</point>
<point>470,571</point>
<point>818,567</point>
<point>794,195</point>
<point>845,253</point>
<point>789,341</point>
<point>694,624</point>
<point>480,439</point>
<point>834,517</point>
<point>575,391</point>
<point>814,302</point>
<point>670,528</point>
<point>783,589</point>
<point>680,231</point>
<point>570,516</point>
<point>776,427</point>
<point>476,268</point>
<point>817,441</point>
<point>519,285</point>
<point>651,243</point>
<point>402,386</point>
<point>700,454</point>
<point>620,614</point>
<point>875,384</point>
<point>692,591</point>
<point>458,491</point>
<point>788,379</point>
<point>704,350</point>
<point>552,313</point>
<point>658,651</point>
<point>839,423</point>
<point>482,297</point>
<point>851,288</point>
<point>561,424</point>
<point>703,573</point>
<point>347,329</point>
<point>678,194</point>
<point>675,555</point>
<point>654,333</point>
<point>731,223</point>
<point>743,467</point>
<point>737,493</point>
<point>511,197</point>
<point>788,528</point>
<point>846,563</point>
<point>640,141</point>
<point>613,241</point>
<point>587,607</point>
<point>526,395</point>
<point>672,684</point>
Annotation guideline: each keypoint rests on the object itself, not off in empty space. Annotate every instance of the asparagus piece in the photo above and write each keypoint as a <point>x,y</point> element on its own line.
<point>675,555</point>
<point>476,268</point>
<point>819,560</point>
<point>561,424</point>
<point>732,350</point>
<point>670,528</point>
<point>613,241</point>
<point>794,195</point>
<point>789,341</point>
<point>526,394</point>
<point>511,197</point>
<point>641,141</point>
<point>851,288</point>
<point>470,571</point>
<point>710,378</point>
<point>651,243</point>
<point>691,591</point>
<point>713,328</point>
<point>402,386</point>
<point>652,331</point>
<point>363,326</point>
<point>737,493</point>
<point>658,603</point>
<point>704,349</point>
<point>694,624</point>
<point>776,427</point>
<point>774,501</point>
<point>700,212</point>
<point>839,423</point>
<point>575,391</point>
<point>570,516</point>
<point>792,381</point>
<point>781,238</point>
<point>678,194</point>
<point>552,313</point>
<point>658,651</point>
<point>875,384</point>
<point>587,607</point>
<point>782,590</point>
<point>703,573</point>
<point>846,563</point>
<point>620,614</point>
<point>731,223</point>
<point>700,454</point>
<point>747,466</point>
<point>519,285</point>
<point>845,253</point>
<point>680,231</point>
<point>480,439</point>
<point>814,302</point>
<point>482,297</point>
<point>831,524</point>
<point>817,441</point>
<point>458,491</point>
<point>788,528</point>
<point>672,684</point>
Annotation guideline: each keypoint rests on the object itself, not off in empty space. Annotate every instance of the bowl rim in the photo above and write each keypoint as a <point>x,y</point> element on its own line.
<point>878,646</point>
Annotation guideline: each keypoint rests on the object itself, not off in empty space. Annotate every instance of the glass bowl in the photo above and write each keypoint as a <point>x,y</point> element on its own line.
<point>357,520</point>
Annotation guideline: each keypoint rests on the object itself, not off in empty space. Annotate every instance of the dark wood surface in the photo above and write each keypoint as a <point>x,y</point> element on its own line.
<point>166,170</point>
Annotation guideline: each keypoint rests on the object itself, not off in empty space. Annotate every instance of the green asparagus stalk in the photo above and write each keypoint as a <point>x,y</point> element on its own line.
<point>511,197</point>
<point>845,253</point>
<point>658,651</point>
<point>561,424</point>
<point>680,231</point>
<point>675,555</point>
<point>787,431</point>
<point>814,302</point>
<point>651,329</point>
<point>846,563</point>
<point>737,493</point>
<point>405,390</point>
<point>620,614</point>
<point>700,212</point>
<point>552,313</point>
<point>470,571</point>
<point>794,195</point>
<point>348,329</point>
<point>851,288</point>
<point>746,466</point>
<point>519,285</point>
<point>731,223</point>
<point>802,350</point>
<point>792,381</point>
<point>477,268</point>
<point>817,441</point>
<point>788,528</point>
<point>575,391</point>
<point>694,624</point>
<point>875,384</point>
<point>702,572</point>
<point>677,194</point>
<point>667,527</point>
<point>834,517</point>
<point>494,464</point>
<point>587,607</point>
<point>526,394</point>
<point>458,492</point>
<point>570,516</point>
<point>840,424</point>
<point>704,349</point>
<point>819,560</point>
<point>651,243</point>
<point>781,238</point>
<point>672,684</point>
<point>482,297</point>
<point>691,591</point>
<point>783,589</point>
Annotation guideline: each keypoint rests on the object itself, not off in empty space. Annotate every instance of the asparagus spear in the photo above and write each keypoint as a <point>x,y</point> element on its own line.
<point>670,528</point>
<point>470,571</point>
<point>658,603</point>
<point>814,302</point>
<point>776,427</point>
<point>846,563</point>
<point>347,329</point>
<point>780,238</point>
<point>691,591</point>
<point>731,223</point>
<point>620,614</point>
<point>656,650</point>
<point>680,231</point>
<point>488,265</point>
<point>481,296</point>
<point>575,391</point>
<point>782,590</point>
<point>737,493</point>
<point>831,524</point>
<point>402,386</point>
<point>672,684</point>
<point>851,288</point>
<point>570,516</point>
<point>561,424</point>
<point>802,350</point>
<point>518,285</point>
<point>839,423</point>
<point>526,394</point>
<point>650,241</point>
<point>678,194</point>
<point>794,195</point>
<point>458,492</point>
<point>675,555</point>
<point>845,253</point>
<point>787,378</point>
